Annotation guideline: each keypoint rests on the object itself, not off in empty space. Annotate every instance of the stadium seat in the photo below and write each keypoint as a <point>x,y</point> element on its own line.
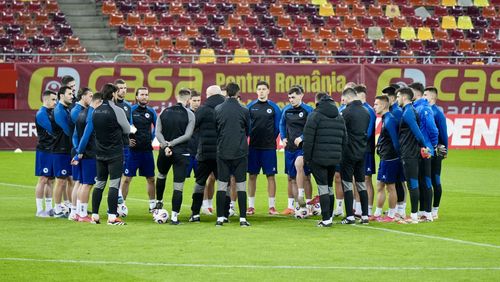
<point>489,12</point>
<point>366,45</point>
<point>399,45</point>
<point>465,22</point>
<point>481,46</point>
<point>72,42</point>
<point>193,8</point>
<point>473,34</point>
<point>325,57</point>
<point>391,11</point>
<point>276,9</point>
<point>142,7</point>
<point>440,11</point>
<point>275,31</point>
<point>309,10</point>
<point>367,21</point>
<point>251,20</point>
<point>489,35</point>
<point>415,21</point>
<point>200,43</point>
<point>165,43</point>
<point>208,31</point>
<point>481,3</point>
<point>358,10</point>
<point>155,55</point>
<point>174,31</point>
<point>243,9</point>
<point>448,22</point>
<point>473,12</point>
<point>207,56</point>
<point>250,43</point>
<point>342,10</point>
<point>133,19</point>
<point>225,32</point>
<point>456,34</point>
<point>284,20</point>
<point>480,22</point>
<point>432,22</point>
<point>140,56</point>
<point>465,3</point>
<point>292,32</point>
<point>293,9</point>
<point>465,45</point>
<point>241,56</point>
<point>131,42</point>
<point>416,45</point>
<point>440,34</point>
<point>234,20</point>
<point>158,31</point>
<point>332,22</point>
<point>375,33</point>
<point>52,7</point>
<point>350,22</point>
<point>326,10</point>
<point>20,42</point>
<point>416,3</point>
<point>407,11</point>
<point>383,22</point>
<point>317,44</point>
<point>439,57</point>
<point>159,7</point>
<point>358,33</point>
<point>422,12</point>
<point>126,7</point>
<point>48,30</point>
<point>36,42</point>
<point>432,45</point>
<point>23,18</point>
<point>318,2</point>
<point>448,45</point>
<point>391,33</point>
<point>148,42</point>
<point>341,33</point>
<point>424,33</point>
<point>182,43</point>
<point>14,30</point>
<point>260,9</point>
<point>141,31</point>
<point>324,33</point>
<point>233,43</point>
<point>116,20</point>
<point>242,31</point>
<point>226,8</point>
<point>267,20</point>
<point>408,33</point>
<point>333,45</point>
<point>176,8</point>
<point>17,6</point>
<point>495,23</point>
<point>166,19</point>
<point>299,45</point>
<point>210,8</point>
<point>150,19</point>
<point>41,18</point>
<point>215,43</point>
<point>30,30</point>
<point>449,3</point>
<point>184,20</point>
<point>399,22</point>
<point>301,21</point>
<point>375,10</point>
<point>308,32</point>
<point>7,17</point>
<point>266,44</point>
<point>407,57</point>
<point>108,7</point>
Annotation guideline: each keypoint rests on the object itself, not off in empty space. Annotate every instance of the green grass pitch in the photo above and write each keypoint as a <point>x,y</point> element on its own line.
<point>464,244</point>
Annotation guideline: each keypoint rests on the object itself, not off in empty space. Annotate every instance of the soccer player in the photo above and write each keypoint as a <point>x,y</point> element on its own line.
<point>293,119</point>
<point>361,91</point>
<point>84,98</point>
<point>174,128</point>
<point>110,125</point>
<point>265,119</point>
<point>63,131</point>
<point>194,104</point>
<point>141,149</point>
<point>86,155</point>
<point>119,100</point>
<point>390,165</point>
<point>412,146</point>
<point>207,147</point>
<point>70,82</point>
<point>324,138</point>
<point>430,133</point>
<point>357,121</point>
<point>430,94</point>
<point>233,125</point>
<point>44,121</point>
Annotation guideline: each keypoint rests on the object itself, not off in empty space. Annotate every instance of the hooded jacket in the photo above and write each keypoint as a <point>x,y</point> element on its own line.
<point>206,130</point>
<point>325,134</point>
<point>357,120</point>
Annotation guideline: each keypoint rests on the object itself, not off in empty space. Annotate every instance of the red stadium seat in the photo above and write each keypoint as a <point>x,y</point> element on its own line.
<point>131,42</point>
<point>165,43</point>
<point>108,7</point>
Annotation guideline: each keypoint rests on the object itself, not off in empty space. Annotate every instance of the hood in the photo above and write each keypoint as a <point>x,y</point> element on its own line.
<point>214,100</point>
<point>327,107</point>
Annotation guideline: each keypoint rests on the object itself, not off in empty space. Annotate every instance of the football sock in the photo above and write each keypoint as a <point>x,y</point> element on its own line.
<point>227,205</point>
<point>67,203</point>
<point>414,216</point>
<point>96,200</point>
<point>73,210</point>
<point>414,197</point>
<point>301,192</point>
<point>205,204</point>
<point>370,208</point>
<point>363,196</point>
<point>39,205</point>
<point>112,216</point>
<point>112,200</point>
<point>290,203</point>
<point>348,203</point>
<point>242,203</point>
<point>197,202</point>
<point>324,201</point>
<point>176,201</point>
<point>428,204</point>
<point>423,197</point>
<point>210,203</point>
<point>378,212</point>
<point>174,215</point>
<point>358,207</point>
<point>160,188</point>
<point>271,202</point>
<point>83,209</point>
<point>120,193</point>
<point>251,202</point>
<point>340,209</point>
<point>392,213</point>
<point>400,192</point>
<point>221,203</point>
<point>48,204</point>
<point>438,191</point>
<point>332,204</point>
<point>233,204</point>
<point>152,203</point>
<point>220,219</point>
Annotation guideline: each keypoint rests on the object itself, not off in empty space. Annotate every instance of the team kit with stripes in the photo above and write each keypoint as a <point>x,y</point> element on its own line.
<point>87,140</point>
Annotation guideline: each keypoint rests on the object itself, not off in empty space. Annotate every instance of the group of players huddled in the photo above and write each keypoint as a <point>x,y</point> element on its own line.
<point>88,138</point>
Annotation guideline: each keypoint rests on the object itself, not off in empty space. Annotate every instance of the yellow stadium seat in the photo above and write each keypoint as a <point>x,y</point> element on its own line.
<point>318,2</point>
<point>241,56</point>
<point>465,22</point>
<point>408,33</point>
<point>392,11</point>
<point>448,22</point>
<point>207,56</point>
<point>424,33</point>
<point>449,2</point>
<point>326,10</point>
<point>481,3</point>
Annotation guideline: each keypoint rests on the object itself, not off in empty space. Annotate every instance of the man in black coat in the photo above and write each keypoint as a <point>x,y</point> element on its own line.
<point>207,147</point>
<point>357,120</point>
<point>233,125</point>
<point>324,138</point>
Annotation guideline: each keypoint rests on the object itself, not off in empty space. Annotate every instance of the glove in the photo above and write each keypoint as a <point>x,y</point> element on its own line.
<point>424,153</point>
<point>441,151</point>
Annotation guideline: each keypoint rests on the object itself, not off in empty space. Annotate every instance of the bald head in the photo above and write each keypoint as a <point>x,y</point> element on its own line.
<point>213,90</point>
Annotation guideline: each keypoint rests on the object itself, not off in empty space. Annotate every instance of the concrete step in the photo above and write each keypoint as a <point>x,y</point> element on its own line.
<point>101,45</point>
<point>94,34</point>
<point>78,9</point>
<point>89,24</point>
<point>109,55</point>
<point>62,2</point>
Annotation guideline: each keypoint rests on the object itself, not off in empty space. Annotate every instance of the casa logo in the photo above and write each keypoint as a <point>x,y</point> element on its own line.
<point>126,170</point>
<point>301,114</point>
<point>269,111</point>
<point>64,172</point>
<point>125,108</point>
<point>147,115</point>
<point>45,170</point>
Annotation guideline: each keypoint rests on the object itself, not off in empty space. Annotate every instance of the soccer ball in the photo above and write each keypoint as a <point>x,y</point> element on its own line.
<point>300,213</point>
<point>160,216</point>
<point>316,210</point>
<point>122,211</point>
<point>66,209</point>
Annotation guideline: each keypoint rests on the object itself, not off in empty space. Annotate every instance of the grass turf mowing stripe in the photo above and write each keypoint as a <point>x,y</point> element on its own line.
<point>189,265</point>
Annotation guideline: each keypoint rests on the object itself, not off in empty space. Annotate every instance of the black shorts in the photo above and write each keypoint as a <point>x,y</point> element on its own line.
<point>322,174</point>
<point>436,163</point>
<point>203,171</point>
<point>350,168</point>
<point>112,168</point>
<point>410,167</point>
<point>237,167</point>
<point>178,161</point>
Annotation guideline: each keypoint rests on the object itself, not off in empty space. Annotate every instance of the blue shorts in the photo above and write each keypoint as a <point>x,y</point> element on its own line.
<point>390,171</point>
<point>143,161</point>
<point>126,154</point>
<point>192,166</point>
<point>261,158</point>
<point>43,164</point>
<point>338,168</point>
<point>290,158</point>
<point>62,165</point>
<point>88,172</point>
<point>77,171</point>
<point>369,164</point>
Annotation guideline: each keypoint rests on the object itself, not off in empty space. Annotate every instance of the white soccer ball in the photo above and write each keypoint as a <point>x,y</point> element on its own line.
<point>300,213</point>
<point>160,216</point>
<point>122,210</point>
<point>316,209</point>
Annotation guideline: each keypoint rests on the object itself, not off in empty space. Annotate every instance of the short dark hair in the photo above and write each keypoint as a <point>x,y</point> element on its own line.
<point>383,98</point>
<point>48,93</point>
<point>67,79</point>
<point>223,87</point>
<point>82,92</point>
<point>107,91</point>
<point>405,91</point>
<point>195,93</point>
<point>97,96</point>
<point>140,88</point>
<point>360,88</point>
<point>232,89</point>
<point>349,92</point>
<point>184,92</point>
<point>297,89</point>
<point>262,82</point>
<point>320,95</point>
<point>431,89</point>
<point>417,86</point>
<point>62,91</point>
<point>119,81</point>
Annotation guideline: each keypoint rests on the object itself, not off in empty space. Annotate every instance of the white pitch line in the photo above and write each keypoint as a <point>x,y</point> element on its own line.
<point>192,265</point>
<point>367,227</point>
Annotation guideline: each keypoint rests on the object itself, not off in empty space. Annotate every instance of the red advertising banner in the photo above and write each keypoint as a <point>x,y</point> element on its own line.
<point>18,130</point>
<point>463,89</point>
<point>165,80</point>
